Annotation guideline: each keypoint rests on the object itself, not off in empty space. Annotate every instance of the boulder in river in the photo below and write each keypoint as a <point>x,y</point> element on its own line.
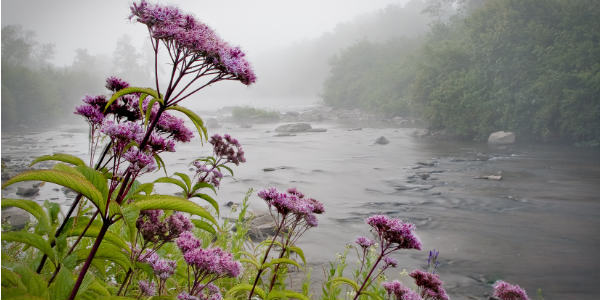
<point>15,217</point>
<point>501,138</point>
<point>294,127</point>
<point>382,141</point>
<point>28,191</point>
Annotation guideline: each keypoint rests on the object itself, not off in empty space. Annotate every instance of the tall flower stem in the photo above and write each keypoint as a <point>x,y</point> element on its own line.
<point>260,270</point>
<point>369,275</point>
<point>70,212</point>
<point>283,250</point>
<point>89,259</point>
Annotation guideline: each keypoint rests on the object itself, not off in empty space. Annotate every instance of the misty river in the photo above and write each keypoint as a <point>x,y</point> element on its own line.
<point>537,227</point>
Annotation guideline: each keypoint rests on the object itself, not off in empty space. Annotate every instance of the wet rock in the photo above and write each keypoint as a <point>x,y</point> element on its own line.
<point>355,129</point>
<point>317,130</point>
<point>261,228</point>
<point>501,138</point>
<point>17,218</point>
<point>382,141</point>
<point>294,127</point>
<point>420,132</point>
<point>229,204</point>
<point>284,134</point>
<point>489,177</point>
<point>426,164</point>
<point>269,169</point>
<point>28,191</point>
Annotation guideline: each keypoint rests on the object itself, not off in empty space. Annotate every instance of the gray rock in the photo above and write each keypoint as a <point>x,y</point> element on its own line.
<point>28,192</point>
<point>284,134</point>
<point>294,127</point>
<point>269,169</point>
<point>501,138</point>
<point>17,218</point>
<point>317,130</point>
<point>420,132</point>
<point>382,141</point>
<point>261,227</point>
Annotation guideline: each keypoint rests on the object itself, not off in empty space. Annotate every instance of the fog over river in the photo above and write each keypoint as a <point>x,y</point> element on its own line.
<point>538,226</point>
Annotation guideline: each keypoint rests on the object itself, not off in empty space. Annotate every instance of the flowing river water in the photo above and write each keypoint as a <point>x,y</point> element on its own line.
<point>539,226</point>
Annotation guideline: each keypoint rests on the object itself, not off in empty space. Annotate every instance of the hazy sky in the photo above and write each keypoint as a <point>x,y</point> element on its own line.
<point>256,26</point>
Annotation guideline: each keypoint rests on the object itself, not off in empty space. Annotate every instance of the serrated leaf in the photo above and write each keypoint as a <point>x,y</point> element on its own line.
<point>144,187</point>
<point>185,179</point>
<point>227,168</point>
<point>200,185</point>
<point>245,287</point>
<point>130,216</point>
<point>106,252</point>
<point>36,286</point>
<point>62,285</point>
<point>210,200</point>
<point>204,226</point>
<point>131,90</point>
<point>348,281</point>
<point>194,118</point>
<point>160,163</point>
<point>270,241</point>
<point>298,251</point>
<point>67,158</point>
<point>282,260</point>
<point>278,294</point>
<point>33,208</point>
<point>251,261</point>
<point>10,278</point>
<point>173,181</point>
<point>96,178</point>
<point>32,240</point>
<point>168,202</point>
<point>78,183</point>
<point>371,295</point>
<point>93,232</point>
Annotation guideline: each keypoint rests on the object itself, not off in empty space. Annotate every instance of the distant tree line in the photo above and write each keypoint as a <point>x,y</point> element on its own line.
<point>36,93</point>
<point>528,66</point>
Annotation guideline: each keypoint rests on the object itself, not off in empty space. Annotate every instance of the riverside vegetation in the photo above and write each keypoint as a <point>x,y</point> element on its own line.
<point>120,240</point>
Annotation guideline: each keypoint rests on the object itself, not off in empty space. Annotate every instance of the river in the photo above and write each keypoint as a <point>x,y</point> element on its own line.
<point>539,226</point>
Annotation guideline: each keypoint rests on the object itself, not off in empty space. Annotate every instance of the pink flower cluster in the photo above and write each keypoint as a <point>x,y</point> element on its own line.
<point>228,148</point>
<point>293,202</point>
<point>399,291</point>
<point>393,231</point>
<point>430,285</point>
<point>163,268</point>
<point>208,264</point>
<point>184,33</point>
<point>507,291</point>
<point>364,242</point>
<point>153,229</point>
<point>147,288</point>
<point>115,84</point>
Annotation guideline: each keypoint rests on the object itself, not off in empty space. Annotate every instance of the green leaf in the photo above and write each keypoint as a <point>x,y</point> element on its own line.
<point>278,294</point>
<point>173,181</point>
<point>210,200</point>
<point>36,286</point>
<point>268,242</point>
<point>204,226</point>
<point>244,287</point>
<point>30,239</point>
<point>298,251</point>
<point>251,261</point>
<point>185,179</point>
<point>78,183</point>
<point>33,208</point>
<point>283,260</point>
<point>106,252</point>
<point>130,216</point>
<point>96,178</point>
<point>169,202</point>
<point>141,102</point>
<point>159,163</point>
<point>131,90</point>
<point>348,281</point>
<point>10,278</point>
<point>200,185</point>
<point>371,295</point>
<point>195,119</point>
<point>67,158</point>
<point>149,111</point>
<point>62,285</point>
<point>93,232</point>
<point>227,168</point>
<point>53,210</point>
<point>144,187</point>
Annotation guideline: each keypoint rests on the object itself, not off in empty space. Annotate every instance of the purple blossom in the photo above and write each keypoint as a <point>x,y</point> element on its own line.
<point>123,133</point>
<point>163,268</point>
<point>430,285</point>
<point>399,291</point>
<point>507,291</point>
<point>393,231</point>
<point>174,126</point>
<point>140,160</point>
<point>178,224</point>
<point>186,296</point>
<point>228,148</point>
<point>147,288</point>
<point>115,84</point>
<point>158,144</point>
<point>97,101</point>
<point>183,32</point>
<point>364,242</point>
<point>213,261</point>
<point>93,115</point>
<point>187,241</point>
<point>389,262</point>
<point>150,226</point>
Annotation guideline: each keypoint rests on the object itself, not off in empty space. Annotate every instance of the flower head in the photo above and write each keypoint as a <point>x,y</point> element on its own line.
<point>213,261</point>
<point>187,241</point>
<point>430,285</point>
<point>364,242</point>
<point>115,84</point>
<point>399,291</point>
<point>507,291</point>
<point>228,148</point>
<point>93,115</point>
<point>147,288</point>
<point>394,231</point>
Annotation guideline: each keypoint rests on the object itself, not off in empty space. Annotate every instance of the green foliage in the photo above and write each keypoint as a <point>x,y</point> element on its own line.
<point>251,114</point>
<point>526,66</point>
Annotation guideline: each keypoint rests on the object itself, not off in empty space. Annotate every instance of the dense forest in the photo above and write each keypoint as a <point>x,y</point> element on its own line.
<point>532,67</point>
<point>36,93</point>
